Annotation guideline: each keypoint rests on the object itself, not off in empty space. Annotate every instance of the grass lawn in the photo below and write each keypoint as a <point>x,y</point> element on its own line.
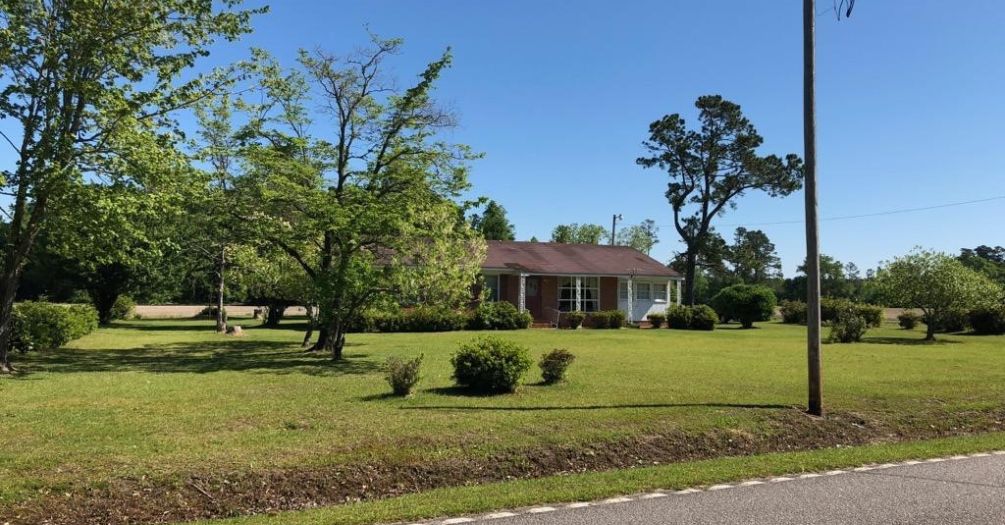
<point>170,414</point>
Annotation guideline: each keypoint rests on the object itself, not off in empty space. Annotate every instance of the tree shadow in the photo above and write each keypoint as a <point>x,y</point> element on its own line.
<point>233,355</point>
<point>885,340</point>
<point>460,391</point>
<point>606,407</point>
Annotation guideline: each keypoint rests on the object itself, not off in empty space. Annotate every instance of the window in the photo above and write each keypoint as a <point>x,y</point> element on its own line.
<point>643,292</point>
<point>589,294</point>
<point>623,290</point>
<point>492,287</point>
<point>660,292</point>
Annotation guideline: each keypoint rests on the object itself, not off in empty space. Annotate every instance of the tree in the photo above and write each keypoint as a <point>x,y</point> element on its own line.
<point>642,236</point>
<point>753,257</point>
<point>493,224</point>
<point>371,214</point>
<point>937,284</point>
<point>710,168</point>
<point>90,86</point>
<point>576,233</point>
<point>987,260</point>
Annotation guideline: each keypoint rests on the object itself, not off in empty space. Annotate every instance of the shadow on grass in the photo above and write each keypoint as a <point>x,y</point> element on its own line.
<point>599,407</point>
<point>202,357</point>
<point>920,341</point>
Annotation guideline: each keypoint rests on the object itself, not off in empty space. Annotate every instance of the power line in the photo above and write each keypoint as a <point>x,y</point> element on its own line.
<point>865,215</point>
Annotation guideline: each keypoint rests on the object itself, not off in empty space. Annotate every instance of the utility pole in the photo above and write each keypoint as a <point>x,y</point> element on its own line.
<point>815,402</point>
<point>614,224</point>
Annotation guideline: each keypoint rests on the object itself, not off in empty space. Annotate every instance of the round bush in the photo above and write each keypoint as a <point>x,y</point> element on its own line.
<point>988,320</point>
<point>872,314</point>
<point>848,328</point>
<point>575,319</point>
<point>554,364</point>
<point>703,317</point>
<point>679,317</point>
<point>40,325</point>
<point>745,303</point>
<point>656,319</point>
<point>403,374</point>
<point>616,319</point>
<point>123,308</point>
<point>793,312</point>
<point>490,364</point>
<point>908,320</point>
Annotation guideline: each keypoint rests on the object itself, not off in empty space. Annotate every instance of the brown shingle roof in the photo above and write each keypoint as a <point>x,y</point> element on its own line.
<point>572,259</point>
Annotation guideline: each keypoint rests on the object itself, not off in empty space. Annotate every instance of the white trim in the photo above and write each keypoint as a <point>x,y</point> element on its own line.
<point>522,304</point>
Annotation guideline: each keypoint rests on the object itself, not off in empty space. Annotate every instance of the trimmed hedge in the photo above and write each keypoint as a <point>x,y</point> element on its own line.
<point>41,326</point>
<point>490,364</point>
<point>418,319</point>
<point>500,315</point>
<point>698,317</point>
<point>795,312</point>
<point>656,319</point>
<point>678,317</point>
<point>745,303</point>
<point>123,308</point>
<point>554,364</point>
<point>575,319</point>
<point>606,319</point>
<point>988,320</point>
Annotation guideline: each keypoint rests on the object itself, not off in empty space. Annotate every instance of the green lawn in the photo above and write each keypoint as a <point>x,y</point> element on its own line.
<point>147,403</point>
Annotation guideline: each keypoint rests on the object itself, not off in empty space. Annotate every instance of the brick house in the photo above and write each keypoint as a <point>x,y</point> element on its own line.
<point>548,279</point>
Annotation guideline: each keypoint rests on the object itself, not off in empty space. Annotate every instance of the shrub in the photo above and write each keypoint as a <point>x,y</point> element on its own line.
<point>123,308</point>
<point>745,303</point>
<point>679,317</point>
<point>500,315</point>
<point>554,364</point>
<point>575,319</point>
<point>418,319</point>
<point>616,319</point>
<point>210,312</point>
<point>848,328</point>
<point>793,312</point>
<point>601,319</point>
<point>490,364</point>
<point>872,314</point>
<point>703,317</point>
<point>908,320</point>
<point>989,320</point>
<point>41,325</point>
<point>657,319</point>
<point>832,307</point>
<point>403,374</point>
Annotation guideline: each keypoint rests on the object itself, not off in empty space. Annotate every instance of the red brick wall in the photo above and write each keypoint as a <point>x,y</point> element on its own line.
<point>608,293</point>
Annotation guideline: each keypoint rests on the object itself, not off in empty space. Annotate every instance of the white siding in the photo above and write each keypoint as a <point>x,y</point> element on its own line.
<point>657,301</point>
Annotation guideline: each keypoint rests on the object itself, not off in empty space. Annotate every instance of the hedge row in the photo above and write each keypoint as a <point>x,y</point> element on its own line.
<point>794,312</point>
<point>41,326</point>
<point>698,317</point>
<point>487,316</point>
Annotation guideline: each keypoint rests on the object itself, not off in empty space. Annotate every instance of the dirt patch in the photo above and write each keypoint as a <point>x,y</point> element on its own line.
<point>226,494</point>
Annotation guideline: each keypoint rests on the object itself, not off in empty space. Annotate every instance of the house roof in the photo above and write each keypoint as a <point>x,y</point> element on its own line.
<point>572,259</point>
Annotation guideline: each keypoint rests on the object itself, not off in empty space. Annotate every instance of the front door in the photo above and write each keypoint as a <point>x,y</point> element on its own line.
<point>532,296</point>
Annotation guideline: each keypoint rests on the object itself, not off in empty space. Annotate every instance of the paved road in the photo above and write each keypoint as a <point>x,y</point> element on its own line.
<point>968,491</point>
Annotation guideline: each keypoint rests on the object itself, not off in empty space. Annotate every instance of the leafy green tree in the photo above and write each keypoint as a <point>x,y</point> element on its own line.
<point>576,233</point>
<point>493,224</point>
<point>371,213</point>
<point>753,257</point>
<point>641,236</point>
<point>937,284</point>
<point>987,260</point>
<point>710,168</point>
<point>90,87</point>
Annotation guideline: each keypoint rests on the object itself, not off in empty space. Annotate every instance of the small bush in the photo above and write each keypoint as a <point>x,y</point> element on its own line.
<point>124,308</point>
<point>908,320</point>
<point>657,319</point>
<point>988,320</point>
<point>403,374</point>
<point>601,319</point>
<point>500,315</point>
<point>575,319</point>
<point>616,319</point>
<point>678,317</point>
<point>41,325</point>
<point>419,319</point>
<point>745,303</point>
<point>554,364</point>
<point>489,364</point>
<point>209,312</point>
<point>703,317</point>
<point>793,312</point>
<point>848,328</point>
<point>872,314</point>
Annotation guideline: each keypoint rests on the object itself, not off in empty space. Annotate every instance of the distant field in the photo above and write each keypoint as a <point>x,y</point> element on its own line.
<point>167,420</point>
<point>188,311</point>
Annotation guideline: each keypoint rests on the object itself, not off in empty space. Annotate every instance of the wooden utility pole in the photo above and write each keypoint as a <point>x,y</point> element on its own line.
<point>815,402</point>
<point>614,226</point>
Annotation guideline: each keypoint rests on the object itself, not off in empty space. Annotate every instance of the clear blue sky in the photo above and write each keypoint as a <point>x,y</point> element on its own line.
<point>558,95</point>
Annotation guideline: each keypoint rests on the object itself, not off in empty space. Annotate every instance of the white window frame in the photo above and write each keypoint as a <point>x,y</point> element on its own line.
<point>622,290</point>
<point>660,296</point>
<point>648,296</point>
<point>492,297</point>
<point>589,294</point>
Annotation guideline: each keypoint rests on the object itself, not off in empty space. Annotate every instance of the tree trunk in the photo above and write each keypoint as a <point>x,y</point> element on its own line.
<point>104,301</point>
<point>322,341</point>
<point>6,324</point>
<point>311,321</point>
<point>221,315</point>
<point>274,314</point>
<point>930,331</point>
<point>690,268</point>
<point>335,341</point>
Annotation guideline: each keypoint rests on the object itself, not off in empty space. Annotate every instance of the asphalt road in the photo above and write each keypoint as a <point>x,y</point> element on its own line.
<point>970,490</point>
